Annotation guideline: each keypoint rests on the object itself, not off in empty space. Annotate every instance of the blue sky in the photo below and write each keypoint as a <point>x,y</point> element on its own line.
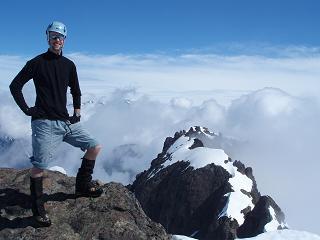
<point>144,26</point>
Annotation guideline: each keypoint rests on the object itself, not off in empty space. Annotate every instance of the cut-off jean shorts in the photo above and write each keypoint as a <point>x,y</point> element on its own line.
<point>48,134</point>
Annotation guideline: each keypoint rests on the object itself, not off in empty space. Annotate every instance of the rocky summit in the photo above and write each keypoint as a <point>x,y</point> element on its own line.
<point>194,189</point>
<point>116,215</point>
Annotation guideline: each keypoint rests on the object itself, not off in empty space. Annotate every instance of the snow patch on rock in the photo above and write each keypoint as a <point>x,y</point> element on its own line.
<point>58,169</point>
<point>285,235</point>
<point>274,224</point>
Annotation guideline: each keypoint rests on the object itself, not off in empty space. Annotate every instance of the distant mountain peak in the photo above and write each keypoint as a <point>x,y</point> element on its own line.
<point>201,192</point>
<point>200,130</point>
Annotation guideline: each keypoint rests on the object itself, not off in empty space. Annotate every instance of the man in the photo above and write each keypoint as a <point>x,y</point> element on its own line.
<point>52,74</point>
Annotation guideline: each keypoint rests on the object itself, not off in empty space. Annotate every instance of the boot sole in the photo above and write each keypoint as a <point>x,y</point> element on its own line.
<point>42,224</point>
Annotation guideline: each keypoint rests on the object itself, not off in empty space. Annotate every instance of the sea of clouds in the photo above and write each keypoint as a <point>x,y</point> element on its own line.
<point>266,109</point>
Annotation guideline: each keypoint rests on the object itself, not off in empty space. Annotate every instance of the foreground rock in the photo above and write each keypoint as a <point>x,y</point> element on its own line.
<point>116,215</point>
<point>194,189</point>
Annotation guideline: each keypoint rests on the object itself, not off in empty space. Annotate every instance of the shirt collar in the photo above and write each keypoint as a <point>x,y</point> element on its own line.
<point>53,55</point>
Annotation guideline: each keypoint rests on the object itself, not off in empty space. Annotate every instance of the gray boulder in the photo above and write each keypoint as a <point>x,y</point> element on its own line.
<point>116,215</point>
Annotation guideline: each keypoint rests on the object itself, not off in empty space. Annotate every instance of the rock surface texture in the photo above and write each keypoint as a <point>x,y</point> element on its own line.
<point>116,215</point>
<point>194,189</point>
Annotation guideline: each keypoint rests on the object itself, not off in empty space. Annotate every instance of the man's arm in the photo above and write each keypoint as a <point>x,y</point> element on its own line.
<point>17,84</point>
<point>75,89</point>
<point>76,95</point>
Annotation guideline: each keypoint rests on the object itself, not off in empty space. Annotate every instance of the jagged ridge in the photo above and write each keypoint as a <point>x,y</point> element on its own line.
<point>195,189</point>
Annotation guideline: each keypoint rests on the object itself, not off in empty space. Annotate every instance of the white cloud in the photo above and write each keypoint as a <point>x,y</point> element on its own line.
<point>9,67</point>
<point>205,72</point>
<point>279,140</point>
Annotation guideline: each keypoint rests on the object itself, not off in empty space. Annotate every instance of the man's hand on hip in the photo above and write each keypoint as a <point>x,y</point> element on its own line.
<point>74,118</point>
<point>33,112</point>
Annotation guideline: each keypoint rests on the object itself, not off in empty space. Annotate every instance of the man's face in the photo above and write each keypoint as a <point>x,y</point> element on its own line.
<point>56,41</point>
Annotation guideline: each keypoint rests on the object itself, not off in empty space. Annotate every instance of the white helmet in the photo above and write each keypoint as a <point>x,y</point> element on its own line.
<point>57,27</point>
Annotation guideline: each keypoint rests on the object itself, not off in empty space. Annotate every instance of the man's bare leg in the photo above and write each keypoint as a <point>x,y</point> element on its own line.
<point>36,172</point>
<point>92,153</point>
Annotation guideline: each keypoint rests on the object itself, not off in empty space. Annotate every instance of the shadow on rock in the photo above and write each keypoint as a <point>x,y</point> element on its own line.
<point>15,207</point>
<point>17,223</point>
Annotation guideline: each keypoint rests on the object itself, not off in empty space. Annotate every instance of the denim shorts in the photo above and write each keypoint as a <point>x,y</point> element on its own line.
<point>48,134</point>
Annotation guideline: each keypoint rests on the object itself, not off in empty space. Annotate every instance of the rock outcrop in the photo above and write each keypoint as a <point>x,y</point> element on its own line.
<point>116,215</point>
<point>194,189</point>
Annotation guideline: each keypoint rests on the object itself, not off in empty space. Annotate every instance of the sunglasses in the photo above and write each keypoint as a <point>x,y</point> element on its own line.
<point>56,37</point>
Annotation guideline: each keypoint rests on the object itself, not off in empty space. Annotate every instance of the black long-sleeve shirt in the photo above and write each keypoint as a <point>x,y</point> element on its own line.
<point>52,74</point>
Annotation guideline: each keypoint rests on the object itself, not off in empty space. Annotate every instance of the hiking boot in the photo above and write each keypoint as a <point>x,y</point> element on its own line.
<point>85,187</point>
<point>91,189</point>
<point>37,202</point>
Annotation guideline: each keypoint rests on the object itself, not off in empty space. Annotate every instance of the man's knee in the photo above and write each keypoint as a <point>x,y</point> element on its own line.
<point>36,172</point>
<point>96,149</point>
